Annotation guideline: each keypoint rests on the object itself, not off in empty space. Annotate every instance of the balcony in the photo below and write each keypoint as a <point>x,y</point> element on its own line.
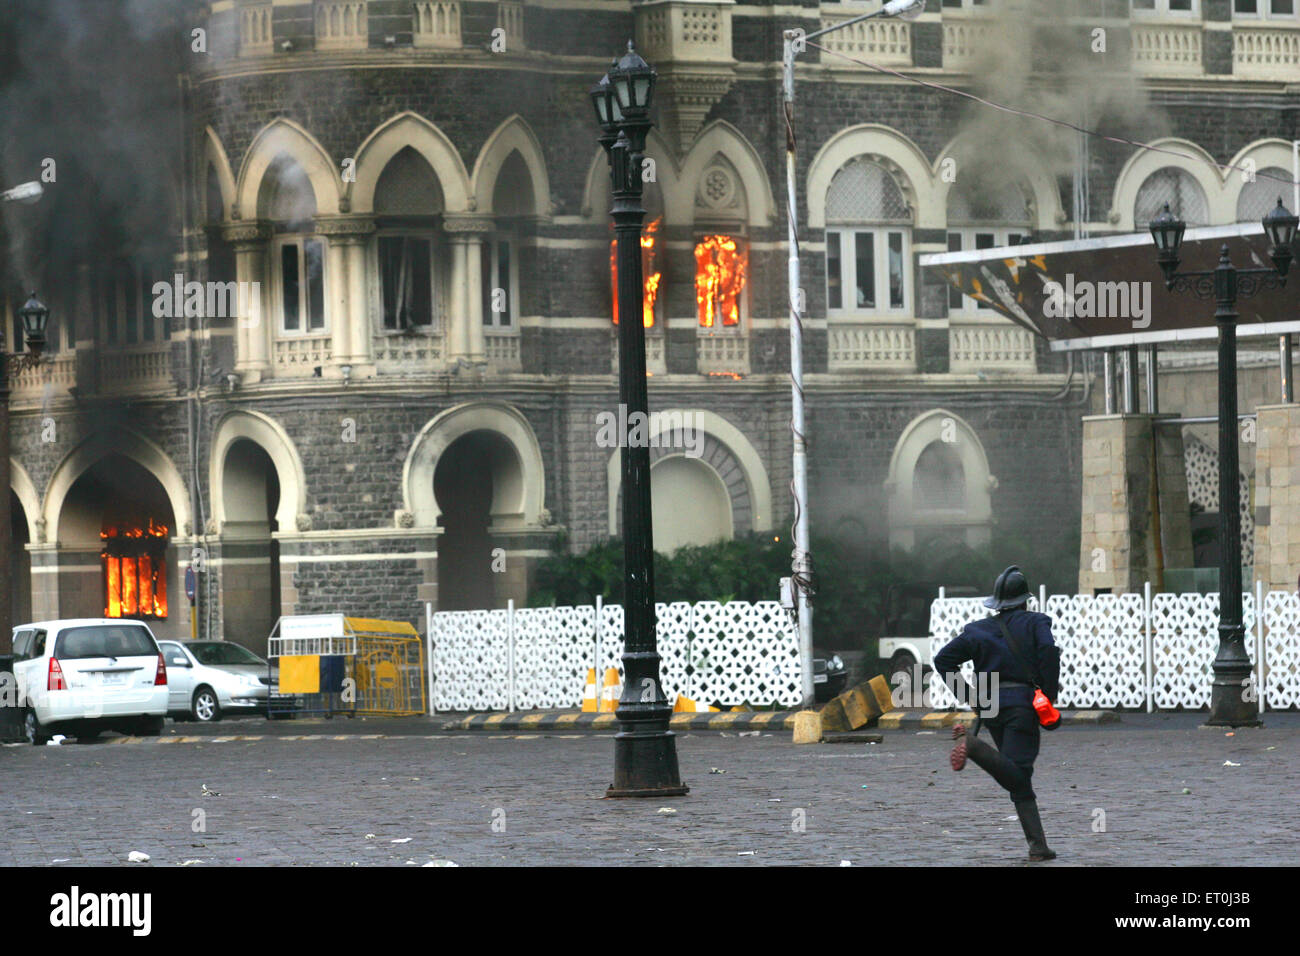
<point>147,368</point>
<point>51,378</point>
<point>887,42</point>
<point>990,347</point>
<point>407,354</point>
<point>502,351</point>
<point>964,41</point>
<point>655,363</point>
<point>342,25</point>
<point>876,347</point>
<point>437,24</point>
<point>301,357</point>
<point>1167,49</point>
<point>510,19</point>
<point>1266,52</point>
<point>689,42</point>
<point>722,353</point>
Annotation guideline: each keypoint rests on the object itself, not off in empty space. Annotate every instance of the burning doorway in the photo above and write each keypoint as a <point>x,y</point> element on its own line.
<point>116,558</point>
<point>250,555</point>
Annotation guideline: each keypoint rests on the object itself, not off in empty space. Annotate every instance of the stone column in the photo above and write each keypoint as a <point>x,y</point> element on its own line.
<point>1277,496</point>
<point>253,324</point>
<point>465,337</point>
<point>350,325</point>
<point>1135,515</point>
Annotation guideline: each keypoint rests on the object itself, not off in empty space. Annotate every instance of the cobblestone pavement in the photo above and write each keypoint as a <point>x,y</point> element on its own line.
<point>519,800</point>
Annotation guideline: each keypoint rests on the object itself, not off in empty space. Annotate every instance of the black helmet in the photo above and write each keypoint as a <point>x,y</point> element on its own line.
<point>1009,590</point>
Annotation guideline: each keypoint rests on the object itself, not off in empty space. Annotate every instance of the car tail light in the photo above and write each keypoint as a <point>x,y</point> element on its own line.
<point>160,678</point>
<point>56,681</point>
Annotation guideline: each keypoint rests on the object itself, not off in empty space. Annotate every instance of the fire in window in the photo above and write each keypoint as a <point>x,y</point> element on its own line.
<point>649,273</point>
<point>135,570</point>
<point>721,268</point>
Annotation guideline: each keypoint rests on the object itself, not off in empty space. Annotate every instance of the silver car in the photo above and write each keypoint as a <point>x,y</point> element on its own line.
<point>209,678</point>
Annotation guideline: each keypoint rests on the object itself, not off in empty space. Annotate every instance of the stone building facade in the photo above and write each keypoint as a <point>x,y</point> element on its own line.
<point>407,399</point>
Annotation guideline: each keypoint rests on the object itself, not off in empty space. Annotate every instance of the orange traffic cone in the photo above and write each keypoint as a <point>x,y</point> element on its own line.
<point>610,693</point>
<point>685,705</point>
<point>589,702</point>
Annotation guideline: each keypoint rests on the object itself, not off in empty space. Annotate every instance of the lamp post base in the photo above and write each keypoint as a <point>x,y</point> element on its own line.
<point>645,765</point>
<point>1233,698</point>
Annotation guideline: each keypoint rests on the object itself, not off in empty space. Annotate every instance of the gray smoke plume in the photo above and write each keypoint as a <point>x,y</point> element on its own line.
<point>90,85</point>
<point>1052,58</point>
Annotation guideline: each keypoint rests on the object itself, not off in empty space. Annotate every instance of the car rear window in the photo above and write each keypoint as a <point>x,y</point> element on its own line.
<point>105,640</point>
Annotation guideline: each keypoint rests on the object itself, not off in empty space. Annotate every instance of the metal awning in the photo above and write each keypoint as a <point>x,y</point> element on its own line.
<point>1108,292</point>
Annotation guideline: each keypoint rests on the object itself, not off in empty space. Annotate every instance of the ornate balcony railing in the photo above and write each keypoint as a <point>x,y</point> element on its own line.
<point>724,353</point>
<point>888,42</point>
<point>655,363</point>
<point>1266,52</point>
<point>255,30</point>
<point>889,347</point>
<point>302,356</point>
<point>964,41</point>
<point>55,375</point>
<point>684,30</point>
<point>975,348</point>
<point>342,24</point>
<point>1167,48</point>
<point>137,368</point>
<point>503,352</point>
<point>409,353</point>
<point>510,18</point>
<point>437,24</point>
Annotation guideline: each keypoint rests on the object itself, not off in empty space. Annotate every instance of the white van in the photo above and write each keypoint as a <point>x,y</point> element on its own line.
<point>82,676</point>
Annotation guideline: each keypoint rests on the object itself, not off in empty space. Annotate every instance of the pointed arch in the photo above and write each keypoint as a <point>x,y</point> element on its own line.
<point>1264,153</point>
<point>388,139</point>
<point>513,135</point>
<point>903,158</point>
<point>214,156</point>
<point>22,485</point>
<point>1193,160</point>
<point>285,137</point>
<point>597,198</point>
<point>139,449</point>
<point>954,433</point>
<point>272,438</point>
<point>516,502</point>
<point>721,137</point>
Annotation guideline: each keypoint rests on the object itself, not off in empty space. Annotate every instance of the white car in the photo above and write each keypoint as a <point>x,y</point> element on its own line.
<point>82,676</point>
<point>208,678</point>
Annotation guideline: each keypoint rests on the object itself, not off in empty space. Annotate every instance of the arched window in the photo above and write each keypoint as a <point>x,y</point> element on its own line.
<point>512,199</point>
<point>939,480</point>
<point>939,484</point>
<point>984,217</point>
<point>288,200</point>
<point>1180,190</point>
<point>1258,197</point>
<point>868,241</point>
<point>408,200</point>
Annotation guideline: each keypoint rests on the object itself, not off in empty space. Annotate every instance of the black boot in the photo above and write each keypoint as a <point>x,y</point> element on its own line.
<point>1027,811</point>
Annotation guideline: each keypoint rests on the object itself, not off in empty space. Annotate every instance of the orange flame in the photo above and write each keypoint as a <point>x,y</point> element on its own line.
<point>649,253</point>
<point>721,267</point>
<point>135,578</point>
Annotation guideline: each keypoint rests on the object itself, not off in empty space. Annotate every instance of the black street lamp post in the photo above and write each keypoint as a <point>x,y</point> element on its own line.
<point>34,316</point>
<point>645,750</point>
<point>1230,704</point>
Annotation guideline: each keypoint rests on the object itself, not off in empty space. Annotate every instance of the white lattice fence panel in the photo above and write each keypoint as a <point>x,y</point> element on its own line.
<point>948,616</point>
<point>744,653</point>
<point>673,638</point>
<point>1282,650</point>
<point>1184,640</point>
<point>554,647</point>
<point>470,660</point>
<point>1103,657</point>
<point>611,641</point>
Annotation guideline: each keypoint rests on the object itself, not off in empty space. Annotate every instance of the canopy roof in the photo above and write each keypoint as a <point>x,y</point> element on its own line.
<point>1109,292</point>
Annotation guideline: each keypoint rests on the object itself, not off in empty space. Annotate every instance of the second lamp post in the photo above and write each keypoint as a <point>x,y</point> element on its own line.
<point>645,750</point>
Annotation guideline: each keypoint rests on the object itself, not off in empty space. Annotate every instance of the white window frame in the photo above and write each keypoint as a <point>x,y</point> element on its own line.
<point>436,278</point>
<point>304,312</point>
<point>492,265</point>
<point>1161,8</point>
<point>880,253</point>
<point>1001,237</point>
<point>1264,11</point>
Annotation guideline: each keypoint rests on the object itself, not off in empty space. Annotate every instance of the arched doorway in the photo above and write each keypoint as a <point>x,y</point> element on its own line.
<point>250,555</point>
<point>20,564</point>
<point>691,505</point>
<point>476,470</point>
<point>115,557</point>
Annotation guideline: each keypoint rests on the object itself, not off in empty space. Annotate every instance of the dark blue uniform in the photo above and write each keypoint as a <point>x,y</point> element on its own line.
<point>1014,725</point>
